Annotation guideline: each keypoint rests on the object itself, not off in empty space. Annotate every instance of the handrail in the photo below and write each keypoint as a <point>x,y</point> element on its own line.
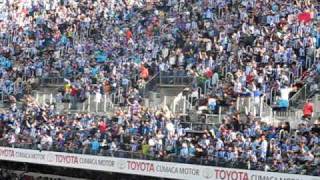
<point>266,110</point>
<point>207,85</point>
<point>153,77</point>
<point>300,70</point>
<point>272,97</point>
<point>301,92</point>
<point>291,77</point>
<point>90,105</point>
<point>309,62</point>
<point>176,100</point>
<point>149,84</point>
<point>171,78</point>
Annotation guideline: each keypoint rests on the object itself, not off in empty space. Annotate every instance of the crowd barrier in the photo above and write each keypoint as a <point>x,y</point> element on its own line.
<point>175,78</point>
<point>198,127</point>
<point>143,167</point>
<point>251,104</point>
<point>301,96</point>
<point>93,104</point>
<point>150,85</point>
<point>45,81</point>
<point>1,99</point>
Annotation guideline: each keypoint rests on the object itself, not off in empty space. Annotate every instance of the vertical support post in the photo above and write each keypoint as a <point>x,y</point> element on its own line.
<point>238,103</point>
<point>105,103</point>
<point>51,98</point>
<point>261,106</point>
<point>220,114</point>
<point>174,106</point>
<point>70,102</point>
<point>84,106</point>
<point>89,103</point>
<point>305,92</point>
<point>184,104</point>
<point>43,98</point>
<point>249,104</point>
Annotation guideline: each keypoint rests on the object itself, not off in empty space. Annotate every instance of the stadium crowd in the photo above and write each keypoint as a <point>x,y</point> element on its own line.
<point>99,46</point>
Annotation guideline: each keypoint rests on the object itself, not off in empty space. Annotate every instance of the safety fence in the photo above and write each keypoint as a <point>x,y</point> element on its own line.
<point>150,85</point>
<point>258,107</point>
<point>95,103</point>
<point>1,99</point>
<point>51,80</point>
<point>184,104</point>
<point>15,89</point>
<point>175,78</point>
<point>301,96</point>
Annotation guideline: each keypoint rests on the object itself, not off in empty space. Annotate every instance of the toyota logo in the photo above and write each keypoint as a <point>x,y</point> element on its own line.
<point>50,157</point>
<point>122,164</point>
<point>207,173</point>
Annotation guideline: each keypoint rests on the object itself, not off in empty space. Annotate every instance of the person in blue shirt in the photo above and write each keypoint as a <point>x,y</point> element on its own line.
<point>95,70</point>
<point>95,146</point>
<point>101,57</point>
<point>192,150</point>
<point>184,152</point>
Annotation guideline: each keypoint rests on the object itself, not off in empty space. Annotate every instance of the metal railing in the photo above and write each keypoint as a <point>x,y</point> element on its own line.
<point>309,62</point>
<point>179,105</point>
<point>291,77</point>
<point>150,85</point>
<point>183,104</point>
<point>272,96</point>
<point>45,81</point>
<point>175,78</point>
<point>1,99</point>
<point>300,96</point>
<point>254,105</point>
<point>101,104</point>
<point>266,111</point>
<point>197,126</point>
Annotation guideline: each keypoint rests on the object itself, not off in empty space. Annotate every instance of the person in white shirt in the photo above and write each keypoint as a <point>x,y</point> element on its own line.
<point>215,79</point>
<point>284,92</point>
<point>219,144</point>
<point>237,87</point>
<point>263,147</point>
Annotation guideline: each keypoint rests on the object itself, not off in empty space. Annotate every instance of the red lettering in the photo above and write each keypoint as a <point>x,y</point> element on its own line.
<point>224,174</point>
<point>76,160</point>
<point>217,173</point>
<point>245,177</point>
<point>234,177</point>
<point>67,159</point>
<point>230,175</point>
<point>240,174</point>
<point>143,166</point>
<point>133,165</point>
<point>151,168</point>
<point>6,153</point>
<point>140,166</point>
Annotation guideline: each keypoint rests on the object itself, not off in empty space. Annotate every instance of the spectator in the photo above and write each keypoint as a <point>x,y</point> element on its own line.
<point>308,110</point>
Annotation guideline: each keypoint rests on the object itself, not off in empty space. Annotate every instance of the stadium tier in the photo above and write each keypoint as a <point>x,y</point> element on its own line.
<point>180,89</point>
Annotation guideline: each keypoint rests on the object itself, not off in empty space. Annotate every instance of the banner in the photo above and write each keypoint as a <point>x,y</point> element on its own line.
<point>141,167</point>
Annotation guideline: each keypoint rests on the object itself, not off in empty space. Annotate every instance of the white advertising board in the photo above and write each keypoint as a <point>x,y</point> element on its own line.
<point>141,167</point>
